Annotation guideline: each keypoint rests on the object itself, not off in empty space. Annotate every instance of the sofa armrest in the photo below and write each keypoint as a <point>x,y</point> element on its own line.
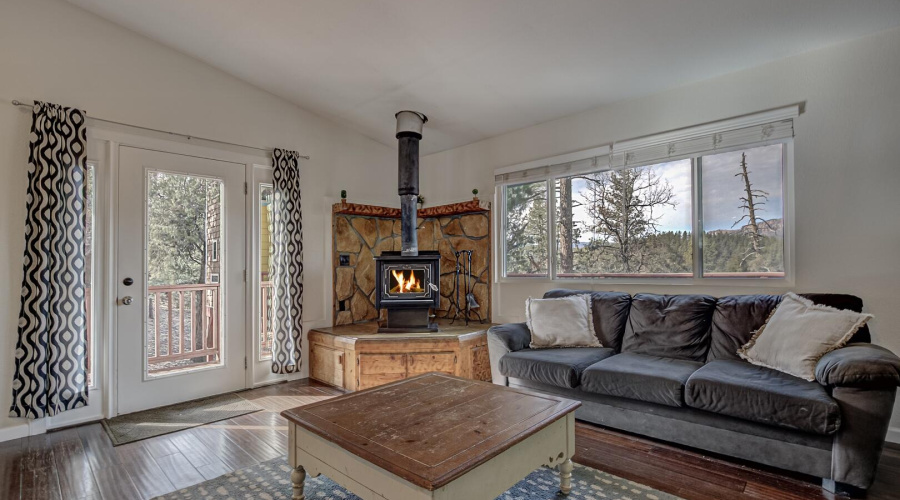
<point>503,339</point>
<point>859,365</point>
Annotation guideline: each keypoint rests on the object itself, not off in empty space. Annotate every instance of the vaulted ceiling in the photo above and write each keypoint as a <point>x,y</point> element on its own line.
<point>480,68</point>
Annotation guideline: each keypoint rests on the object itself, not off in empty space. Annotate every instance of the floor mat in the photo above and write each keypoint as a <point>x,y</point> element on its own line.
<point>158,421</point>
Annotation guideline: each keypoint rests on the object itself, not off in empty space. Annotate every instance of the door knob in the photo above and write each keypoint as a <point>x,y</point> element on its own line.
<point>127,300</point>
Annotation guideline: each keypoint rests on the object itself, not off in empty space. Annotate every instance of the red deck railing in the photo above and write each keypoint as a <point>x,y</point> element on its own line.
<point>183,325</point>
<point>171,310</point>
<point>266,313</point>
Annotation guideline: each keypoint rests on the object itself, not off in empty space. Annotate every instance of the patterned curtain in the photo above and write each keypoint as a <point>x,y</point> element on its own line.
<point>287,263</point>
<point>50,375</point>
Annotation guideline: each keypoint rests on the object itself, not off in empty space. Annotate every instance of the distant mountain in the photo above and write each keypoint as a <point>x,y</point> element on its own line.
<point>771,228</point>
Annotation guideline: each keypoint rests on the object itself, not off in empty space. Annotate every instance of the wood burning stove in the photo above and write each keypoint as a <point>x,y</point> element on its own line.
<point>407,283</point>
<point>407,287</point>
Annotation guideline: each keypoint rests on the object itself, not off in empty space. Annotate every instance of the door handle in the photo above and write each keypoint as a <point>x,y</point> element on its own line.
<point>127,300</point>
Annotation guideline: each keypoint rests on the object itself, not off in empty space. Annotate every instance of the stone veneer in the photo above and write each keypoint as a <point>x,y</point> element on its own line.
<point>362,232</point>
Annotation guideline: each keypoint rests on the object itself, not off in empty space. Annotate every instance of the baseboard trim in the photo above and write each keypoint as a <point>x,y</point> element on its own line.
<point>893,435</point>
<point>269,382</point>
<point>65,423</point>
<point>14,432</point>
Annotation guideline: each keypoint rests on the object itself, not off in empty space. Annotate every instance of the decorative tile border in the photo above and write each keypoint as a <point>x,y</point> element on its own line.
<point>465,207</point>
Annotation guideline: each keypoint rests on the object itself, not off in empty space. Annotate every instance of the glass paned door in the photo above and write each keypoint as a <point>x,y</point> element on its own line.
<point>262,285</point>
<point>266,287</point>
<point>180,261</point>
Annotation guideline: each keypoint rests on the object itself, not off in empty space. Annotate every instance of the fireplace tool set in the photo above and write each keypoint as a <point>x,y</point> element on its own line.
<point>464,271</point>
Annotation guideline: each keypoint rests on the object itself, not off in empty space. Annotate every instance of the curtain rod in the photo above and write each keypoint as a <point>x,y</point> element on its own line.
<point>186,136</point>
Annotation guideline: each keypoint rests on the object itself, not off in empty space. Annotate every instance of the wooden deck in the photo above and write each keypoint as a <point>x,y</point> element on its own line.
<point>81,463</point>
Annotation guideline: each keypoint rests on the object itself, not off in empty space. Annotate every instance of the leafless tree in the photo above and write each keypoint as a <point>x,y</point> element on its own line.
<point>752,203</point>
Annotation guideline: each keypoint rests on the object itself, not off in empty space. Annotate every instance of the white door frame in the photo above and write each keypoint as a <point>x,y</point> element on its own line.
<point>115,138</point>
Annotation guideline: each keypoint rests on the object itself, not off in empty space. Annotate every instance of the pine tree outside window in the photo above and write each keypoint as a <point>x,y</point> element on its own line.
<point>526,234</point>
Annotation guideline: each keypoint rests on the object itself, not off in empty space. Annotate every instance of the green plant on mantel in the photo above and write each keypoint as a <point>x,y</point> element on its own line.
<point>475,194</point>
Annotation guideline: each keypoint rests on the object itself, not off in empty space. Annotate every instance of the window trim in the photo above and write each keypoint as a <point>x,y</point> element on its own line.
<point>787,281</point>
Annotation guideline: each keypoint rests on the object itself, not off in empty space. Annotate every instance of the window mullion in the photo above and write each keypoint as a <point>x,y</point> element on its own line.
<point>551,221</point>
<point>503,231</point>
<point>697,219</point>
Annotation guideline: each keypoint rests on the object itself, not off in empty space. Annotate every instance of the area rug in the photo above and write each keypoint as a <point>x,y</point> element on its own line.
<point>271,481</point>
<point>158,421</point>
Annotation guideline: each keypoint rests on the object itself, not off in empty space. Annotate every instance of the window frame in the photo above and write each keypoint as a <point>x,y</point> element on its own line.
<point>504,226</point>
<point>257,270</point>
<point>92,338</point>
<point>785,281</point>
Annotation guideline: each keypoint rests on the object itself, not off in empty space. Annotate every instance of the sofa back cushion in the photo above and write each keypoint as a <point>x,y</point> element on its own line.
<point>846,302</point>
<point>610,313</point>
<point>735,319</point>
<point>670,326</point>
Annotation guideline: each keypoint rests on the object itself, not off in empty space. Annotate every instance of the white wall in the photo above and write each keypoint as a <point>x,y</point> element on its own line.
<point>847,167</point>
<point>53,51</point>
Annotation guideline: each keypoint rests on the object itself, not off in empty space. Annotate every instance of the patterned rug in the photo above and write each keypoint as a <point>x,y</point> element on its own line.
<point>158,421</point>
<point>271,481</point>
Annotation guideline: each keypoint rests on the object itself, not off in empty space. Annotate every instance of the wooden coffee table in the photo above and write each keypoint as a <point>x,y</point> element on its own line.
<point>433,436</point>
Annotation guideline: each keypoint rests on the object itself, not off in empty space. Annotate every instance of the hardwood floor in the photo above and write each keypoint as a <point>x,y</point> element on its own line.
<point>81,463</point>
<point>698,476</point>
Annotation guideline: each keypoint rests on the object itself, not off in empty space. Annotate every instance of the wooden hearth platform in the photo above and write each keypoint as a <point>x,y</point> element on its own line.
<point>355,357</point>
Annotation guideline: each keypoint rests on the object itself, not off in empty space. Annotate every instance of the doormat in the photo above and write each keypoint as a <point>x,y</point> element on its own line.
<point>272,480</point>
<point>167,419</point>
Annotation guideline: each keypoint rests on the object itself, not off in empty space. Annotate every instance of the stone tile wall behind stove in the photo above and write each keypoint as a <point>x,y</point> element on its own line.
<point>362,238</point>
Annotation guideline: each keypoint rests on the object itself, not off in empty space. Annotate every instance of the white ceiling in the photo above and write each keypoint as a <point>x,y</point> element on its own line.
<point>480,68</point>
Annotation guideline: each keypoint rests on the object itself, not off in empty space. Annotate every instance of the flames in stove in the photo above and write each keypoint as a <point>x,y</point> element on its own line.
<point>407,282</point>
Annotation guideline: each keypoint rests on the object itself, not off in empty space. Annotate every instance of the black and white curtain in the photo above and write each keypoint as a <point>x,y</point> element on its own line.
<point>287,263</point>
<point>50,352</point>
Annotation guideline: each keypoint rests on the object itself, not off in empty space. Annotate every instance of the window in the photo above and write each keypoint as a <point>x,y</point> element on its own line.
<point>266,287</point>
<point>743,213</point>
<point>214,250</point>
<point>702,203</point>
<point>526,233</point>
<point>634,221</point>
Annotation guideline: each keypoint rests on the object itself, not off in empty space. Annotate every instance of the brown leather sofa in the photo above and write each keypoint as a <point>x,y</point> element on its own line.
<point>669,370</point>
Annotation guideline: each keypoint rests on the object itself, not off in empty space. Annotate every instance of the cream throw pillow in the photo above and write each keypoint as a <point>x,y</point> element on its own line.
<point>561,322</point>
<point>797,335</point>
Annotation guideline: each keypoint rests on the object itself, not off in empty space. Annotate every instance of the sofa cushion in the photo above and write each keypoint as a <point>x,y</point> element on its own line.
<point>610,310</point>
<point>671,326</point>
<point>559,367</point>
<point>799,333</point>
<point>739,389</point>
<point>652,379</point>
<point>735,319</point>
<point>846,302</point>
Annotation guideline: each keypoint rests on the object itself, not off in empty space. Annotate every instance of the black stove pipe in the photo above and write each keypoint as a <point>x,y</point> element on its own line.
<point>409,133</point>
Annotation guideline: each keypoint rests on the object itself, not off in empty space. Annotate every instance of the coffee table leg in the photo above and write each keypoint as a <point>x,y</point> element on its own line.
<point>565,476</point>
<point>298,475</point>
